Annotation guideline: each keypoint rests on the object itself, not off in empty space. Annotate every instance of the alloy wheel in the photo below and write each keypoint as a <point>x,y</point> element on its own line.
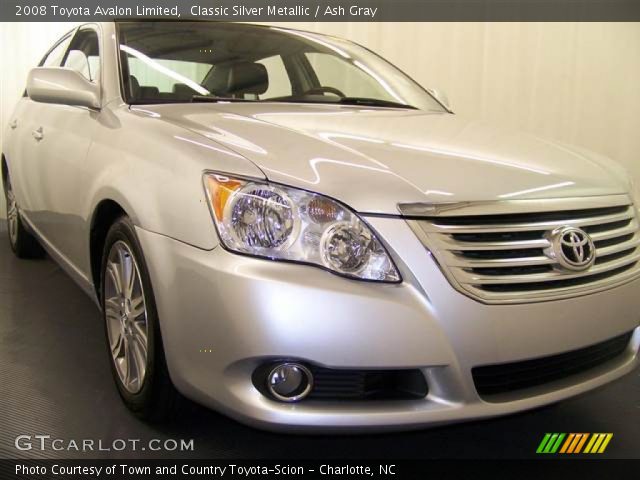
<point>126,316</point>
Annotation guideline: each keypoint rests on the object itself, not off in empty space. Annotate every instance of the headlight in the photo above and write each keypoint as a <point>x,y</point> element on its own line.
<point>283,223</point>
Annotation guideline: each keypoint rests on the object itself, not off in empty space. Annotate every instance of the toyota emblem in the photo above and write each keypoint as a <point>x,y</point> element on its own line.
<point>572,248</point>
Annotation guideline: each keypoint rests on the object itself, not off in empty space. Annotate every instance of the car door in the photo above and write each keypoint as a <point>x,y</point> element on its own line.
<point>23,125</point>
<point>62,135</point>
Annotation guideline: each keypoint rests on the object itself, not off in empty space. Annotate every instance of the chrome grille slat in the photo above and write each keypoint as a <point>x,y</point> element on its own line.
<point>499,262</point>
<point>508,258</point>
<point>451,244</point>
<point>541,226</point>
<point>620,247</point>
<point>546,295</point>
<point>475,279</point>
<point>618,232</point>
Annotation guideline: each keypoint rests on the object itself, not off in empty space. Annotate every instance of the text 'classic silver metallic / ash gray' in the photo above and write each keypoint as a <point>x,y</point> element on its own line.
<point>286,228</point>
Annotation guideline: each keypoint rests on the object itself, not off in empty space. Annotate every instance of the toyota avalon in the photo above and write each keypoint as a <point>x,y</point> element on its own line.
<point>286,228</point>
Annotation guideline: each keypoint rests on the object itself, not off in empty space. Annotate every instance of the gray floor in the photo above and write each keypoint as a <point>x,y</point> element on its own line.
<point>55,380</point>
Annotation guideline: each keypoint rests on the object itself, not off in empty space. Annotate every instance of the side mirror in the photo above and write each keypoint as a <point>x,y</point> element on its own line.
<point>440,96</point>
<point>63,86</point>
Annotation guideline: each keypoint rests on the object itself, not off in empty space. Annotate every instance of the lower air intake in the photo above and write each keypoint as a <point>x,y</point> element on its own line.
<point>331,384</point>
<point>509,377</point>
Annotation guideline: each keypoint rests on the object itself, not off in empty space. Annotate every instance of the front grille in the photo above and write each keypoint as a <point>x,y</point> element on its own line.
<point>509,377</point>
<point>331,384</point>
<point>505,258</point>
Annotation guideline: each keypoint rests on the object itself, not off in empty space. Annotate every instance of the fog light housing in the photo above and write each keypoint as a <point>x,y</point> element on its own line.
<point>289,382</point>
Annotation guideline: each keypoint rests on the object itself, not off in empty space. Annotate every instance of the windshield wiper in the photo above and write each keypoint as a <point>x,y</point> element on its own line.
<point>194,99</point>
<point>214,99</point>
<point>374,102</point>
<point>367,102</point>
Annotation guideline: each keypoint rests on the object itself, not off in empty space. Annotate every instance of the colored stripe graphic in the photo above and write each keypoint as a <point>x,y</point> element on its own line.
<point>605,442</point>
<point>568,442</point>
<point>598,443</point>
<point>550,443</point>
<point>581,443</point>
<point>573,443</point>
<point>543,443</point>
<point>590,444</point>
<point>557,444</point>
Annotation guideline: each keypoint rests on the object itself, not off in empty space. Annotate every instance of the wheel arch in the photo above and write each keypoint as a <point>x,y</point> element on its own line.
<point>4,168</point>
<point>105,214</point>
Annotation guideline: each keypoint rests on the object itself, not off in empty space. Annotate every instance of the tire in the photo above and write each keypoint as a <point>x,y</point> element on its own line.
<point>132,328</point>
<point>23,243</point>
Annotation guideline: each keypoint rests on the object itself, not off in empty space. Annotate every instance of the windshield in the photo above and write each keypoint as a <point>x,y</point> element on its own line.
<point>200,61</point>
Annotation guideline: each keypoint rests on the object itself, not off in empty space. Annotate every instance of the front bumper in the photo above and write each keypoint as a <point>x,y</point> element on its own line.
<point>222,315</point>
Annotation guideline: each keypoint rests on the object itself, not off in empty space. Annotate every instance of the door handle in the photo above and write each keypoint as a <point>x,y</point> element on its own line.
<point>13,123</point>
<point>38,134</point>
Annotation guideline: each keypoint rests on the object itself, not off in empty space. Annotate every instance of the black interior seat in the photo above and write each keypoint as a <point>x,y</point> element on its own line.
<point>182,90</point>
<point>237,79</point>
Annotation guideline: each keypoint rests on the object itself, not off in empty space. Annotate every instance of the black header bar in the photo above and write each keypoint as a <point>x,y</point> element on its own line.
<point>324,10</point>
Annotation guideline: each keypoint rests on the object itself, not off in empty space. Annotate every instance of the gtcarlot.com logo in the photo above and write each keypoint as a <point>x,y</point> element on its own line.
<point>574,443</point>
<point>47,442</point>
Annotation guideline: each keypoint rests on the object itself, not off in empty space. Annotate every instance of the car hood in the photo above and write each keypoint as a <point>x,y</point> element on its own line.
<point>373,159</point>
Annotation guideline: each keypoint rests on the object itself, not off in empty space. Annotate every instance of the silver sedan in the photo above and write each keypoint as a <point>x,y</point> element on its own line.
<point>286,228</point>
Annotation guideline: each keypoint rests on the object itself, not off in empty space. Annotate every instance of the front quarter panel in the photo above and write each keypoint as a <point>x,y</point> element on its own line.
<point>154,169</point>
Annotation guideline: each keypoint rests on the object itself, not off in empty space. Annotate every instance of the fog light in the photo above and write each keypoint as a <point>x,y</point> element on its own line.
<point>289,382</point>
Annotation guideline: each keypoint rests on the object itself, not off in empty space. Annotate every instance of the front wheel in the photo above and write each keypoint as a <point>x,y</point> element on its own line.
<point>23,243</point>
<point>132,328</point>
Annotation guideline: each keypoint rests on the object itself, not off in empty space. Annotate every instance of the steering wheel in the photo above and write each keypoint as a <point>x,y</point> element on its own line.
<point>322,90</point>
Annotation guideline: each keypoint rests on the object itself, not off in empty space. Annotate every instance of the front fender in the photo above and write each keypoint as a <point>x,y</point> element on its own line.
<point>153,170</point>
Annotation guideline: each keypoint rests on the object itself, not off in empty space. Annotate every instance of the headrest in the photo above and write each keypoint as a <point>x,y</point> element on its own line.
<point>238,78</point>
<point>183,90</point>
<point>149,92</point>
<point>134,86</point>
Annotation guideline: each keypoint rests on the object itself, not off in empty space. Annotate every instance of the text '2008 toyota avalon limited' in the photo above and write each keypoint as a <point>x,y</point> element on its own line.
<point>284,227</point>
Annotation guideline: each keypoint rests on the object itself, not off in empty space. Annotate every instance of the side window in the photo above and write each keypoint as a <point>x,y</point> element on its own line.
<point>54,57</point>
<point>84,55</point>
<point>279,82</point>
